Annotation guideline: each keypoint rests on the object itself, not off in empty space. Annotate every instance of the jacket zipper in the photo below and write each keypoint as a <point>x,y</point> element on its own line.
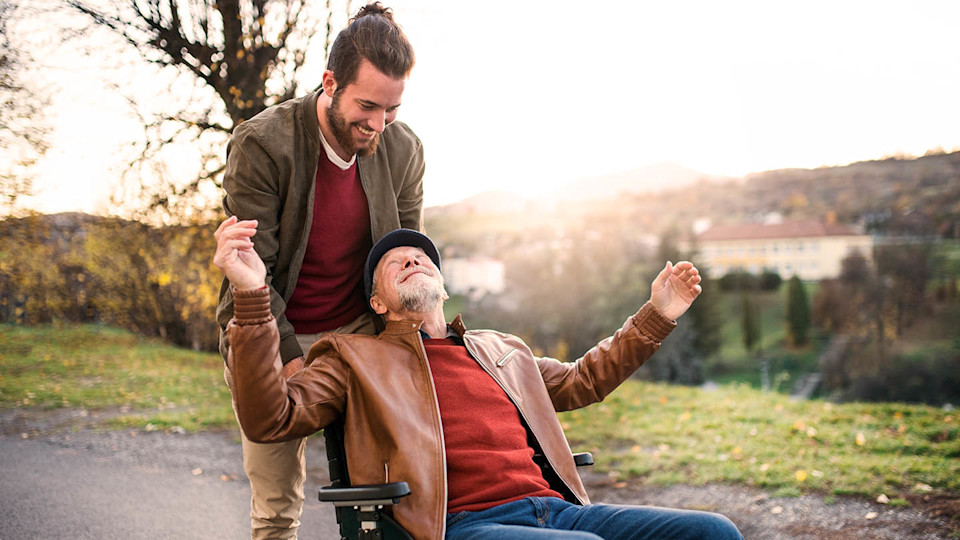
<point>443,444</point>
<point>503,359</point>
<point>519,409</point>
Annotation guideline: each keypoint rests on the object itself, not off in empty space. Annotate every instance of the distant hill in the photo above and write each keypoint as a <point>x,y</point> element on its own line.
<point>648,179</point>
<point>896,196</point>
<point>487,202</point>
<point>652,178</point>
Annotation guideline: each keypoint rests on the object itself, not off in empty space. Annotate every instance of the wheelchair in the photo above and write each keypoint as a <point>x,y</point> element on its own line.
<point>361,510</point>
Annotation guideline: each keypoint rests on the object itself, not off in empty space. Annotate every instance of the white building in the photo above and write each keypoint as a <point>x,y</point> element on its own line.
<point>474,276</point>
<point>809,249</point>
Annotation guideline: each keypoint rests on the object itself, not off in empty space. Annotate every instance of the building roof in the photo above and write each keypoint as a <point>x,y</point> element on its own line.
<point>792,229</point>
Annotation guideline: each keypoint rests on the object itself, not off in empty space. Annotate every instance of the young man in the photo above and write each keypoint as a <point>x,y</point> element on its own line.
<point>454,413</point>
<point>325,176</point>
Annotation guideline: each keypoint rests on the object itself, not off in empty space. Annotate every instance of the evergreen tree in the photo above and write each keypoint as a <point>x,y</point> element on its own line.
<point>750,324</point>
<point>798,312</point>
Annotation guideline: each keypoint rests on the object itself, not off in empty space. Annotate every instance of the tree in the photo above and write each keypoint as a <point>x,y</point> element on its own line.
<point>907,269</point>
<point>831,310</point>
<point>798,312</point>
<point>241,56</point>
<point>749,323</point>
<point>23,132</point>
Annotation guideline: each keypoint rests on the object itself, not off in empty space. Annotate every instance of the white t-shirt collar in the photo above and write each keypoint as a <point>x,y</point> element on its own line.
<point>332,155</point>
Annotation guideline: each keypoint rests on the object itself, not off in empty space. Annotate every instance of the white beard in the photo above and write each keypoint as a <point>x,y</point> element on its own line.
<point>420,294</point>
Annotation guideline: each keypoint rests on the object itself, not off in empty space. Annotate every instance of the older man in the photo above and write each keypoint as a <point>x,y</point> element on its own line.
<point>455,413</point>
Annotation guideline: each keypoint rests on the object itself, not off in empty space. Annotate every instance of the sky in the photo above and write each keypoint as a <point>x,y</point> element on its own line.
<point>529,96</point>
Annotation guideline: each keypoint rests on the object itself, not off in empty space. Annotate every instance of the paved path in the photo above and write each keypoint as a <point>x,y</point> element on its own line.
<point>58,483</point>
<point>129,485</point>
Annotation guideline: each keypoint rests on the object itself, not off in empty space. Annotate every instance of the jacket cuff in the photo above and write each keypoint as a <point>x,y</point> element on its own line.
<point>652,324</point>
<point>251,306</point>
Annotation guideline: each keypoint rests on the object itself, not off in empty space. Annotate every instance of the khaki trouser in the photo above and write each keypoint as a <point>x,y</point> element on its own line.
<point>277,471</point>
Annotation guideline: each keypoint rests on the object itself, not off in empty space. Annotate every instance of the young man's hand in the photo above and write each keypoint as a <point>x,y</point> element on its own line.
<point>675,289</point>
<point>235,254</point>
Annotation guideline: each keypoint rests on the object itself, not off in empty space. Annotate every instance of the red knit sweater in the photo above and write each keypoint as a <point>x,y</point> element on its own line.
<point>329,291</point>
<point>488,459</point>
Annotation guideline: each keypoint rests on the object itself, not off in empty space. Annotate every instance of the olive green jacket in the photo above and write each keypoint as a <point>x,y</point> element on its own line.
<point>270,176</point>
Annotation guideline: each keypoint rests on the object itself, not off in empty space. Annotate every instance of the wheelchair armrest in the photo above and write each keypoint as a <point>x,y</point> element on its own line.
<point>583,459</point>
<point>580,459</point>
<point>365,495</point>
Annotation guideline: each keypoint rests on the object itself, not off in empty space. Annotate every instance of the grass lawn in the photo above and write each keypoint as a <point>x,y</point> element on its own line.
<point>663,434</point>
<point>670,434</point>
<point>95,367</point>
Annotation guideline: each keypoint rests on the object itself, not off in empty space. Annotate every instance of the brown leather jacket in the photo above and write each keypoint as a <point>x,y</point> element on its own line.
<point>382,387</point>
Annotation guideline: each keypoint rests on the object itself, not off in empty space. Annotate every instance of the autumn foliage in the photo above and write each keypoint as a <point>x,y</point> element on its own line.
<point>79,268</point>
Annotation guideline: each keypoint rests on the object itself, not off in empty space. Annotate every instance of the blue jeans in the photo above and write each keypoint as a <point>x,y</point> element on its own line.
<point>549,517</point>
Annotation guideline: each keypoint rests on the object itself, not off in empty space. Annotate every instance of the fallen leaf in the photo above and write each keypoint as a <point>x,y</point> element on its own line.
<point>861,440</point>
<point>197,472</point>
<point>620,485</point>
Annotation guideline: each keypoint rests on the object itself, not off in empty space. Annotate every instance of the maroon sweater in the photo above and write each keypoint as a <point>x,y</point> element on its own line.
<point>488,459</point>
<point>329,291</point>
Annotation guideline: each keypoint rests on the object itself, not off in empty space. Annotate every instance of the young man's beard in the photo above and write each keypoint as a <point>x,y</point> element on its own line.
<point>342,131</point>
<point>421,295</point>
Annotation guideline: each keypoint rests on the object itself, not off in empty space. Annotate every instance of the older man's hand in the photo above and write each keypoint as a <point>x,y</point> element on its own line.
<point>235,255</point>
<point>675,289</point>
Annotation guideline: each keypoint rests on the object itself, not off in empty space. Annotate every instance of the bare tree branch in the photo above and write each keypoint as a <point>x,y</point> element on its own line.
<point>23,131</point>
<point>246,54</point>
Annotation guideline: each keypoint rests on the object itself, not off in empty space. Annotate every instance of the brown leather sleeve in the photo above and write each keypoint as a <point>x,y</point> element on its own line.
<point>572,385</point>
<point>270,408</point>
